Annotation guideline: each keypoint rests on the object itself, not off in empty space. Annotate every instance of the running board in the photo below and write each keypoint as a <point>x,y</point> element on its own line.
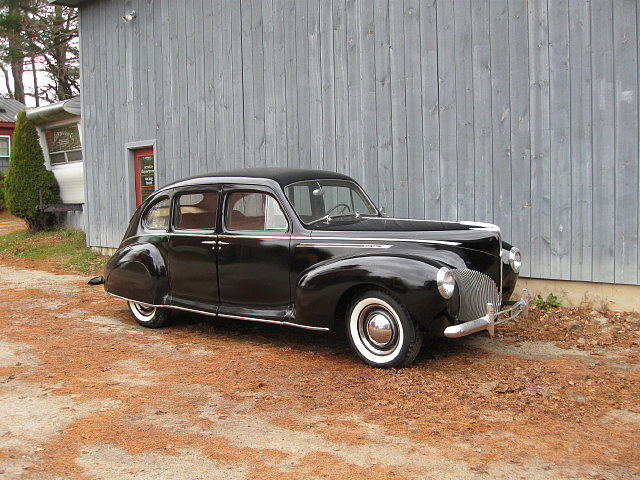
<point>224,315</point>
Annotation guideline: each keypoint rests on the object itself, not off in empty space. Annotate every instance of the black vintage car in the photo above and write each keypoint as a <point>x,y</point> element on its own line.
<point>309,249</point>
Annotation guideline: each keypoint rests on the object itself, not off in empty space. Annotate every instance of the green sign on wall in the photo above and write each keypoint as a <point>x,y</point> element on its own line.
<point>62,139</point>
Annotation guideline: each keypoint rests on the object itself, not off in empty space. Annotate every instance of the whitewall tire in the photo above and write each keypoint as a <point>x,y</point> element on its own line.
<point>148,316</point>
<point>381,331</point>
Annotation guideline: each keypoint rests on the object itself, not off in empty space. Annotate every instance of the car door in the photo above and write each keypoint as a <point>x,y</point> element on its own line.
<point>254,255</point>
<point>192,251</point>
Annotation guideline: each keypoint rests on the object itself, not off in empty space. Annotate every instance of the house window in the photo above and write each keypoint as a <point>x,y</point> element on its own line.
<point>64,144</point>
<point>5,152</point>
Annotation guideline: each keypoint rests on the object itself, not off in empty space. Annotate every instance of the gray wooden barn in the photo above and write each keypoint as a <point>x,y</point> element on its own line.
<point>521,113</point>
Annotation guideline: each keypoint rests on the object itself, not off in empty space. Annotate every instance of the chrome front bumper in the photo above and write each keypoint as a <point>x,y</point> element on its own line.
<point>491,319</point>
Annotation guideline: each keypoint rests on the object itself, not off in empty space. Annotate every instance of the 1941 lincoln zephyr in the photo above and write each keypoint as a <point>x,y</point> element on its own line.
<point>309,249</point>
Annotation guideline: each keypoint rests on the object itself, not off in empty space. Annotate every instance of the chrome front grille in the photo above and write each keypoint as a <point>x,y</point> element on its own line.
<point>476,290</point>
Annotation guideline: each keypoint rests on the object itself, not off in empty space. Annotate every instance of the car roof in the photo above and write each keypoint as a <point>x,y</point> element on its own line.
<point>282,176</point>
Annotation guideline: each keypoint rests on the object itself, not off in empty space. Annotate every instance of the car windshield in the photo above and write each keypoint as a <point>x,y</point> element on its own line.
<point>325,201</point>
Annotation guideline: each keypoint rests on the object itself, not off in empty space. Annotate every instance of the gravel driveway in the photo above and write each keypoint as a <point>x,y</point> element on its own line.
<point>86,393</point>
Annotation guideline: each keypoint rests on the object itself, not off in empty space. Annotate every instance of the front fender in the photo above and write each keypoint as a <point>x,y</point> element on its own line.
<point>138,272</point>
<point>412,280</point>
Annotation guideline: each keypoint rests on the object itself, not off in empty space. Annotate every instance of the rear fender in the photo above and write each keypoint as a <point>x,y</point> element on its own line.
<point>138,272</point>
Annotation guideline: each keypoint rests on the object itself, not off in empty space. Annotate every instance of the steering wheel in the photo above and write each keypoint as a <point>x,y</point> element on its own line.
<point>345,208</point>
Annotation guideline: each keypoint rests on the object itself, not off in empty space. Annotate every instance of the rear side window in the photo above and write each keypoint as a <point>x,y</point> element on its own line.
<point>157,216</point>
<point>197,211</point>
<point>254,211</point>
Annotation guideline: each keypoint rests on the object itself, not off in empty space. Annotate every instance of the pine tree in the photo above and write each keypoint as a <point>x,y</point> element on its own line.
<point>28,182</point>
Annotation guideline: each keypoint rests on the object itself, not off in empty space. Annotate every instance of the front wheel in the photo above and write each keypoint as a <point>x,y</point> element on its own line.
<point>148,316</point>
<point>381,331</point>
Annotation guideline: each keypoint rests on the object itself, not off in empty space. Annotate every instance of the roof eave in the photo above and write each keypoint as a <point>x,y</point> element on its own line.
<point>54,112</point>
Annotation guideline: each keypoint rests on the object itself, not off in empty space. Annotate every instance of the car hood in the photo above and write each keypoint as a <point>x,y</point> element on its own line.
<point>482,237</point>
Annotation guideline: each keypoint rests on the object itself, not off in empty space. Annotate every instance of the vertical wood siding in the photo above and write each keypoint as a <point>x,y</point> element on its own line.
<point>523,113</point>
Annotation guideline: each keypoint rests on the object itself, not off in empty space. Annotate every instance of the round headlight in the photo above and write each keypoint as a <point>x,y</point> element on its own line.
<point>515,259</point>
<point>446,282</point>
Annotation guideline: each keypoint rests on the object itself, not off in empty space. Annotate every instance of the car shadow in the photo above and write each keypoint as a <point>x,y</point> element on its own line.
<point>334,343</point>
<point>262,333</point>
<point>437,349</point>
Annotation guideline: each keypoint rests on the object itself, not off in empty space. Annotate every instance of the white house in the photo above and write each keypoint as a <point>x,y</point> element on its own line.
<point>60,131</point>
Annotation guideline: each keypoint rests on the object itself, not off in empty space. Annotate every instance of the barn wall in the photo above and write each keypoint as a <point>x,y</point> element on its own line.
<point>522,113</point>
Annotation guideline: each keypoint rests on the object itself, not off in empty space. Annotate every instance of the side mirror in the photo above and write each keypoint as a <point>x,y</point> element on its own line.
<point>383,213</point>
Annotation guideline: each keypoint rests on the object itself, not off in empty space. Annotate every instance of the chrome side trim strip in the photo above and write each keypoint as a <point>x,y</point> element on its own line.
<point>383,239</point>
<point>201,312</point>
<point>285,237</point>
<point>224,315</point>
<point>175,307</point>
<point>251,319</point>
<point>130,300</point>
<point>342,245</point>
<point>306,327</point>
<point>276,322</point>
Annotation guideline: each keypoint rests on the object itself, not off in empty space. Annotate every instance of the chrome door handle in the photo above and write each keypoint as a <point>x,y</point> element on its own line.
<point>215,243</point>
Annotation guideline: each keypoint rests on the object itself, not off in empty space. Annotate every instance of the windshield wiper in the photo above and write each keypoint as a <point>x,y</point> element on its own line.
<point>328,217</point>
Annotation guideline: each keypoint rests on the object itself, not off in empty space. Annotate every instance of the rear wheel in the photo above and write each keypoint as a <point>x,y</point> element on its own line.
<point>148,316</point>
<point>381,331</point>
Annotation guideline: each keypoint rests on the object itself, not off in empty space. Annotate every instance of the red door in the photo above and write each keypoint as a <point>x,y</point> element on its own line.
<point>145,174</point>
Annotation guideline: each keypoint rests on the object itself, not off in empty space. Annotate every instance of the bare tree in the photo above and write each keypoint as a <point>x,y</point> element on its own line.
<point>13,18</point>
<point>45,37</point>
<point>34,72</point>
<point>54,41</point>
<point>7,83</point>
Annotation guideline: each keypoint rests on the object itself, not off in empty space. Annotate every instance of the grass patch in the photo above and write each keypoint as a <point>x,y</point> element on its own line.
<point>64,248</point>
<point>548,303</point>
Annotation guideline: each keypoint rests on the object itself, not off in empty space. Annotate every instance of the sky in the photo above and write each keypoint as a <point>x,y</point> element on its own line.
<point>43,79</point>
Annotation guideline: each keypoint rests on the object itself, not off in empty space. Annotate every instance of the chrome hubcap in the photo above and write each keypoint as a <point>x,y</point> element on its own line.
<point>376,330</point>
<point>379,328</point>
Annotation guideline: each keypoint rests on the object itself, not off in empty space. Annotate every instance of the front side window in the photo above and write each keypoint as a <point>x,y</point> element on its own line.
<point>317,201</point>
<point>64,144</point>
<point>197,211</point>
<point>254,211</point>
<point>157,216</point>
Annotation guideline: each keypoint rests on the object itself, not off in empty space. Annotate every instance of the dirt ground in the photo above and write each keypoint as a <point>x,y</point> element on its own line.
<point>9,223</point>
<point>87,394</point>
